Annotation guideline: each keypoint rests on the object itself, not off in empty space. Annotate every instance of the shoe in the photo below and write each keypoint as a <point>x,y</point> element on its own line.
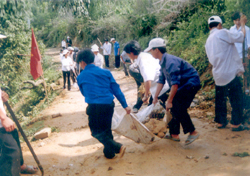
<point>29,170</point>
<point>191,138</point>
<point>134,110</point>
<point>122,151</point>
<point>168,136</point>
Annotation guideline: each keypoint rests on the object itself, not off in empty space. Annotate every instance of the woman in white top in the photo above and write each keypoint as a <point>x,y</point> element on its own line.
<point>66,64</point>
<point>99,60</point>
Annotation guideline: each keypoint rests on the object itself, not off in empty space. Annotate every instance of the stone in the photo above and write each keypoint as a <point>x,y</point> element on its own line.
<point>56,115</point>
<point>44,133</point>
<point>161,134</point>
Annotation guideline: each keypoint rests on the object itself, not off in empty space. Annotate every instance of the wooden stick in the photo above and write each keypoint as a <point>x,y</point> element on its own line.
<point>101,44</point>
<point>46,94</point>
<point>24,136</point>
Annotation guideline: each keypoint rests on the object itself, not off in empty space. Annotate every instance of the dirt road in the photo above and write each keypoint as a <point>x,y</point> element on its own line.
<point>72,151</point>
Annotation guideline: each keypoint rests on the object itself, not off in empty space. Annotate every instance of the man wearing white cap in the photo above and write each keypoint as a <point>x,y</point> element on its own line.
<point>184,82</point>
<point>227,67</point>
<point>99,60</point>
<point>66,66</point>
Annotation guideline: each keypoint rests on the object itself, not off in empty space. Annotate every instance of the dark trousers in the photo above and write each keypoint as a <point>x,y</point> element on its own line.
<point>117,61</point>
<point>66,75</point>
<point>181,102</point>
<point>100,118</point>
<point>106,57</point>
<point>11,157</point>
<point>233,91</point>
<point>73,76</point>
<point>135,73</point>
<point>125,69</point>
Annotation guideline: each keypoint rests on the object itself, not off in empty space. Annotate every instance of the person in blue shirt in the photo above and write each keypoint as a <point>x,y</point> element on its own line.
<point>184,82</point>
<point>116,52</point>
<point>99,87</point>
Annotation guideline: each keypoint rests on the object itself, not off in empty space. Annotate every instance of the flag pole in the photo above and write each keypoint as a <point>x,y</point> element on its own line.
<point>45,88</point>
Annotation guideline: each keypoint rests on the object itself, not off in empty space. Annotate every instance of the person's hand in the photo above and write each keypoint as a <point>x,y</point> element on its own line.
<point>8,124</point>
<point>243,19</point>
<point>155,100</point>
<point>145,99</point>
<point>128,110</point>
<point>5,96</point>
<point>168,105</point>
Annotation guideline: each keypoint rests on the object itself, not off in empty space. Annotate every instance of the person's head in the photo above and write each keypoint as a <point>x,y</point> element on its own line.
<point>157,47</point>
<point>112,40</point>
<point>85,57</point>
<point>132,49</point>
<point>68,37</point>
<point>106,40</point>
<point>95,49</point>
<point>61,51</point>
<point>215,22</point>
<point>236,19</point>
<point>65,53</point>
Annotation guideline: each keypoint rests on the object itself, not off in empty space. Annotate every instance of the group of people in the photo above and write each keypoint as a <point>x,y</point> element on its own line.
<point>166,77</point>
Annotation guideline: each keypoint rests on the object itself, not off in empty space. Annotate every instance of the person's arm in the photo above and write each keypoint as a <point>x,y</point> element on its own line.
<point>147,86</point>
<point>169,101</point>
<point>122,59</point>
<point>118,51</point>
<point>158,90</point>
<point>7,123</point>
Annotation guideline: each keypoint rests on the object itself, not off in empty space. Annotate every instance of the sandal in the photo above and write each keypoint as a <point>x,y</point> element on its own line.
<point>240,128</point>
<point>29,170</point>
<point>223,125</point>
<point>169,136</point>
<point>191,138</point>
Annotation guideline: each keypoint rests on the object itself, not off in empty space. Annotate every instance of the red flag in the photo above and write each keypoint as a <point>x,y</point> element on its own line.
<point>35,59</point>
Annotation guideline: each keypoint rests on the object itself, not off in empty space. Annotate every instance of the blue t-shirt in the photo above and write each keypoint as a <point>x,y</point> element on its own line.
<point>98,86</point>
<point>116,47</point>
<point>177,71</point>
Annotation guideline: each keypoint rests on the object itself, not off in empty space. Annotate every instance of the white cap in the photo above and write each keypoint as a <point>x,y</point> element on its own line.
<point>2,36</point>
<point>154,43</point>
<point>70,48</point>
<point>68,37</point>
<point>65,52</point>
<point>112,39</point>
<point>214,19</point>
<point>94,48</point>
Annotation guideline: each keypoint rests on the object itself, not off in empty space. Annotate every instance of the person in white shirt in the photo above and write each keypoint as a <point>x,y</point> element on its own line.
<point>63,44</point>
<point>72,68</point>
<point>66,66</point>
<point>149,68</point>
<point>106,51</point>
<point>227,67</point>
<point>237,28</point>
<point>99,60</point>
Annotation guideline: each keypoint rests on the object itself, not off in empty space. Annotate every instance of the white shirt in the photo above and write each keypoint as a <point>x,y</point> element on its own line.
<point>150,71</point>
<point>247,40</point>
<point>106,48</point>
<point>99,60</point>
<point>223,55</point>
<point>1,107</point>
<point>63,44</point>
<point>66,63</point>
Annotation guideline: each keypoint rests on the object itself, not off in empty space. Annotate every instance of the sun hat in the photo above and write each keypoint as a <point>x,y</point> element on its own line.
<point>214,19</point>
<point>112,39</point>
<point>65,52</point>
<point>94,48</point>
<point>154,43</point>
<point>70,48</point>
